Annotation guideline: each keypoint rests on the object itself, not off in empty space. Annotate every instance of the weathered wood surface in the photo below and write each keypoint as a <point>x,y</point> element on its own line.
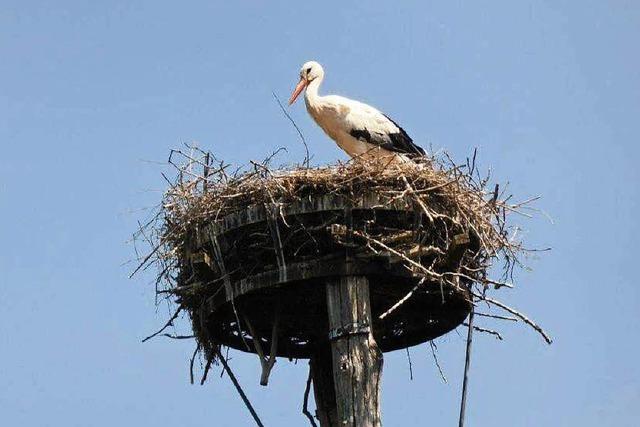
<point>329,202</point>
<point>324,267</point>
<point>357,361</point>
<point>420,319</point>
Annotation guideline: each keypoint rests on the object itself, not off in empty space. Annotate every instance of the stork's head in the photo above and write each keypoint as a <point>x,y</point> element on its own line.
<point>309,72</point>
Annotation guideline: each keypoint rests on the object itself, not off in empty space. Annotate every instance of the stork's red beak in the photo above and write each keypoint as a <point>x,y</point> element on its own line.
<point>298,90</point>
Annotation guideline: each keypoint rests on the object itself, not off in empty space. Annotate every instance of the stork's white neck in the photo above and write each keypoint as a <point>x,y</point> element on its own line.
<point>311,93</point>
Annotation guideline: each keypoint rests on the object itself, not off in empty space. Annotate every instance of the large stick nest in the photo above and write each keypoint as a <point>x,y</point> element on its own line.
<point>451,200</point>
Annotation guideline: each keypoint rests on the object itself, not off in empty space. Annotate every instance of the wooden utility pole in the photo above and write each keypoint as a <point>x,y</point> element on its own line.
<point>355,359</point>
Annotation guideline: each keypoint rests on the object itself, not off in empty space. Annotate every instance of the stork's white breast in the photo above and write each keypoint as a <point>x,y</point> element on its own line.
<point>338,116</point>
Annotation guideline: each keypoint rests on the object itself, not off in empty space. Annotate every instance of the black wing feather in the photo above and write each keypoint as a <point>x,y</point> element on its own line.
<point>399,142</point>
<point>403,140</point>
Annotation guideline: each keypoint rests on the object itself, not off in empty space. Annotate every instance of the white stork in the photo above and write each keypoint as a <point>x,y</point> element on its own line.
<point>359,129</point>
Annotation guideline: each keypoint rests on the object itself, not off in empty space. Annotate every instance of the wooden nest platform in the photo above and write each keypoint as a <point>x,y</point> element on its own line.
<point>337,264</point>
<point>278,259</point>
<point>248,254</point>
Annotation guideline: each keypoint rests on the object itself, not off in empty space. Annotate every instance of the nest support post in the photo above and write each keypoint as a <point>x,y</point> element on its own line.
<point>354,359</point>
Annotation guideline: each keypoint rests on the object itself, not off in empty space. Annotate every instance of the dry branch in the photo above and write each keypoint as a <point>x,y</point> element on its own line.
<point>241,392</point>
<point>166,325</point>
<point>305,400</point>
<point>435,359</point>
<point>521,316</point>
<point>485,330</point>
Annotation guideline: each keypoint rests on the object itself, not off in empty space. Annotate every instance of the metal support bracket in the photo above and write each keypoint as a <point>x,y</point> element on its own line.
<point>350,329</point>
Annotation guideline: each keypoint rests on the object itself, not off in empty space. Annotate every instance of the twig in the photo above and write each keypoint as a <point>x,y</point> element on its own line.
<point>521,316</point>
<point>494,199</point>
<point>435,358</point>
<point>397,253</point>
<point>177,337</point>
<point>227,283</point>
<point>305,400</point>
<point>193,358</point>
<point>488,331</point>
<point>272,220</point>
<point>236,384</point>
<point>144,261</point>
<point>166,325</point>
<point>472,167</point>
<point>495,316</point>
<point>207,367</point>
<point>402,300</point>
<point>410,364</point>
<point>205,173</point>
<point>304,142</point>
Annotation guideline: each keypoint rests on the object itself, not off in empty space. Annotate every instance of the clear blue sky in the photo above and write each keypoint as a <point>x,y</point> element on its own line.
<point>90,92</point>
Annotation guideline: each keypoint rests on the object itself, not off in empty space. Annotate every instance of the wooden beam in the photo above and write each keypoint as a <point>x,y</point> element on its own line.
<point>456,251</point>
<point>357,361</point>
<point>202,258</point>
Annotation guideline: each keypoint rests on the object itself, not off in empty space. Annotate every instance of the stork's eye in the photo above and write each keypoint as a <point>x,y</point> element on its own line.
<point>308,70</point>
